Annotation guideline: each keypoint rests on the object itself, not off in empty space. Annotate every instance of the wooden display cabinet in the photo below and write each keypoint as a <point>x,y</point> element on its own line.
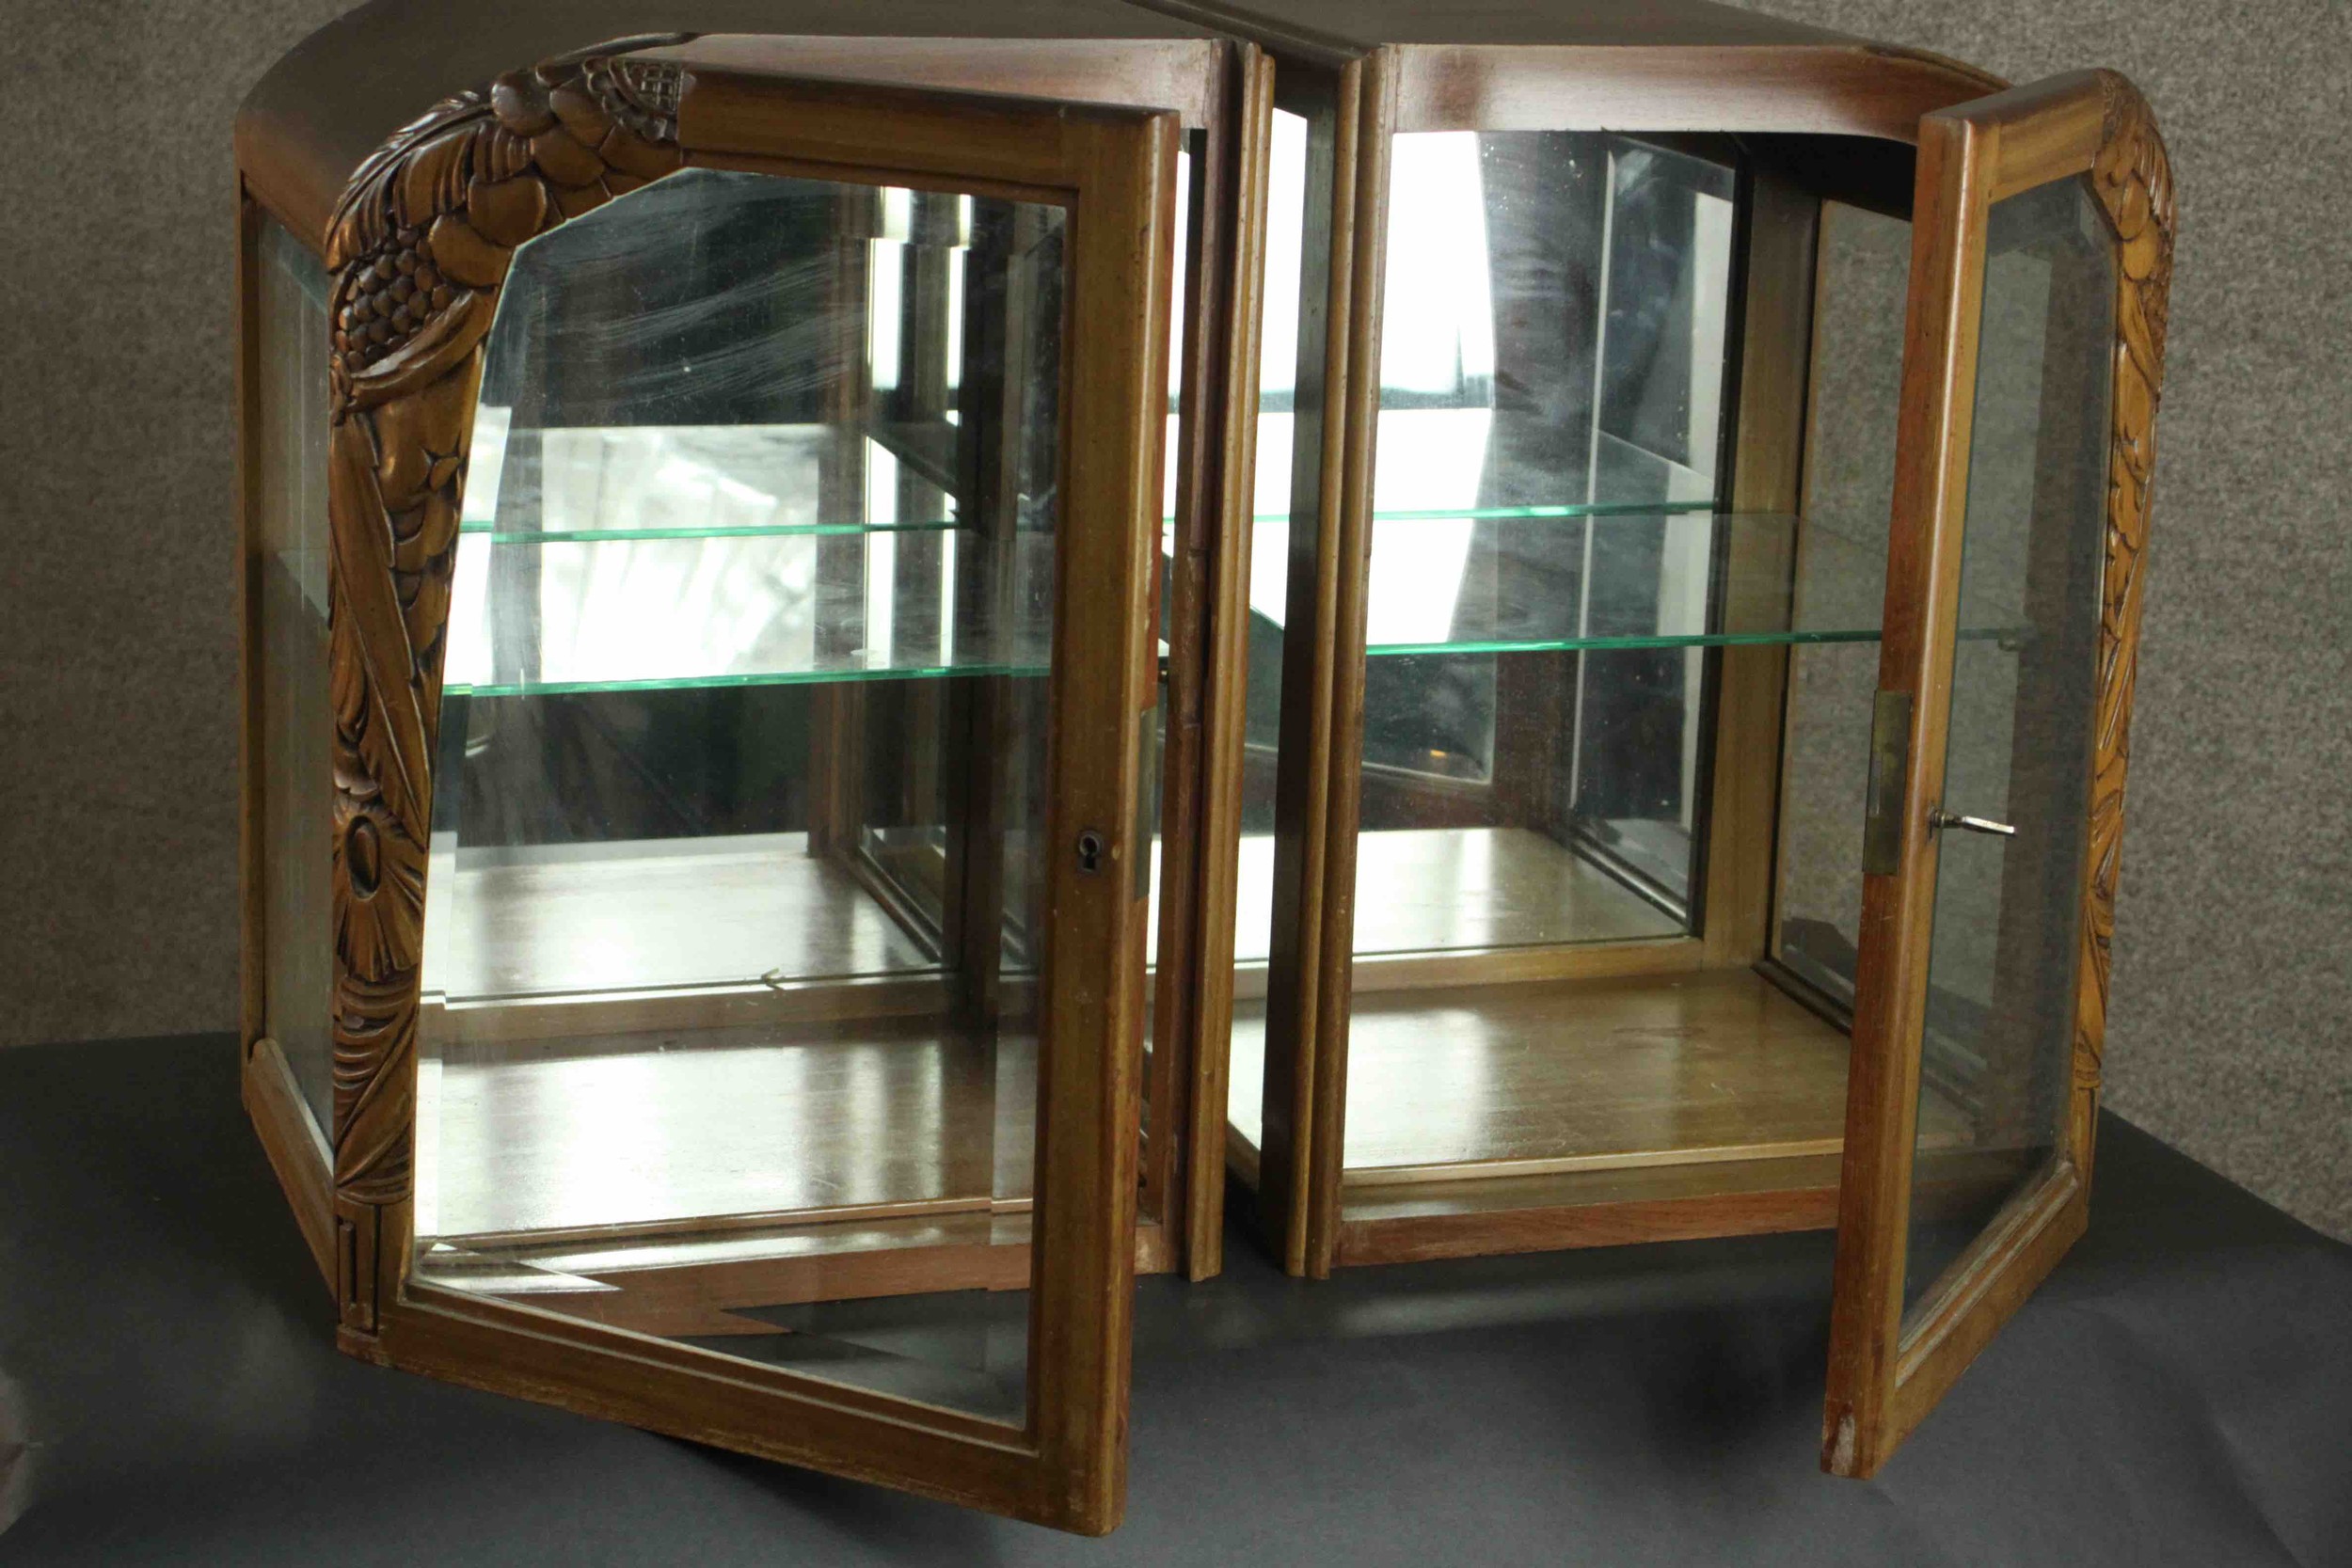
<point>726,519</point>
<point>878,643</point>
<point>1633,835</point>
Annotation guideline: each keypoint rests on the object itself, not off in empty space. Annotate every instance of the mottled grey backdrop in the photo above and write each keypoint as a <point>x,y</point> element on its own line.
<point>2232,1028</point>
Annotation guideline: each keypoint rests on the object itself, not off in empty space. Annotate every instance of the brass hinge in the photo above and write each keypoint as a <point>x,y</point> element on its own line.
<point>1890,761</point>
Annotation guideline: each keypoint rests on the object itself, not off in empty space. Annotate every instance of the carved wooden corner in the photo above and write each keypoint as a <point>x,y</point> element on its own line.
<point>420,247</point>
<point>2133,180</point>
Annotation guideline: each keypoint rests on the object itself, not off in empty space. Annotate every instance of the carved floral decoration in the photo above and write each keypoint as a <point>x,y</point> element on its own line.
<point>2133,180</point>
<point>420,246</point>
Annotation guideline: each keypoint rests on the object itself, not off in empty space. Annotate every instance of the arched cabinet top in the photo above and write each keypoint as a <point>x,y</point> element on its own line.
<point>334,98</point>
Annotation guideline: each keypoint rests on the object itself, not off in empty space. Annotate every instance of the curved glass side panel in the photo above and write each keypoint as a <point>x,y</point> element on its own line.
<point>293,772</point>
<point>734,938</point>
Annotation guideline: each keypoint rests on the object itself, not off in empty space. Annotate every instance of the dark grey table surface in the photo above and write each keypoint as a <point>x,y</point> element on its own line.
<point>2180,1391</point>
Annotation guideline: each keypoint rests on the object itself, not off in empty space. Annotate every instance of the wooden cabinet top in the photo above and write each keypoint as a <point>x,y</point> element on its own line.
<point>1358,25</point>
<point>339,94</point>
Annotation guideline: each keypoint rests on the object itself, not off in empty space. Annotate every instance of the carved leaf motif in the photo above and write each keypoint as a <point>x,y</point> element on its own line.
<point>2133,180</point>
<point>375,1106</point>
<point>368,641</point>
<point>563,160</point>
<point>579,115</point>
<point>506,212</point>
<point>420,244</point>
<point>465,257</point>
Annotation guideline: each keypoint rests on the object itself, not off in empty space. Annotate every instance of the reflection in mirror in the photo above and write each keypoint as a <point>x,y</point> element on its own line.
<point>1552,380</point>
<point>735,930</point>
<point>2003,959</point>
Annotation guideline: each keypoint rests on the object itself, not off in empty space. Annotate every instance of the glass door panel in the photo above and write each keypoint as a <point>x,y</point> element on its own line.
<point>732,978</point>
<point>1864,274</point>
<point>1996,1054</point>
<point>1996,781</point>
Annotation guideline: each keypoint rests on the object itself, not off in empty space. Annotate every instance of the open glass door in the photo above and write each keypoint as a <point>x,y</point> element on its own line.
<point>743,493</point>
<point>2041,257</point>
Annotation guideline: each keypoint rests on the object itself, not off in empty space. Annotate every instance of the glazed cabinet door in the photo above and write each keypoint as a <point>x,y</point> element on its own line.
<point>742,499</point>
<point>2033,354</point>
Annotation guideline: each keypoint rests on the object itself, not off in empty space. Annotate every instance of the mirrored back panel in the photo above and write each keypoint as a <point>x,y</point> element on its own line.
<point>1553,372</point>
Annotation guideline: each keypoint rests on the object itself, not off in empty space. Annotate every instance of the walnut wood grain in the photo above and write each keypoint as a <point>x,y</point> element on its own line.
<point>1199,456</point>
<point>1807,88</point>
<point>1224,674</point>
<point>1887,1371</point>
<point>1549,1076</point>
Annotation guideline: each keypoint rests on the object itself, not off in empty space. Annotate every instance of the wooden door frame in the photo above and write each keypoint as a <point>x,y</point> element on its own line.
<point>474,179</point>
<point>1883,1376</point>
<point>1184,1175</point>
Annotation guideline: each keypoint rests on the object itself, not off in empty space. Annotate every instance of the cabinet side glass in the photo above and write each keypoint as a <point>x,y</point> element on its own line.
<point>294,774</point>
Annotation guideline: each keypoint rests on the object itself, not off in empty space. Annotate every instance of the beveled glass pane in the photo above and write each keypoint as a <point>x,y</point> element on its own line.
<point>1997,1059</point>
<point>734,920</point>
<point>1544,550</point>
<point>294,771</point>
<point>1862,293</point>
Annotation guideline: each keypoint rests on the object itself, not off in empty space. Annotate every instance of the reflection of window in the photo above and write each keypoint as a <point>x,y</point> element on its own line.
<point>1286,201</point>
<point>889,271</point>
<point>1436,335</point>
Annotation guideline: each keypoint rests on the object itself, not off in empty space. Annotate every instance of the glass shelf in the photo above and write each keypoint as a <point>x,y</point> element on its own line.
<point>1661,581</point>
<point>490,534</point>
<point>587,485</point>
<point>1607,645</point>
<point>1602,578</point>
<point>1523,513</point>
<point>778,609</point>
<point>597,484</point>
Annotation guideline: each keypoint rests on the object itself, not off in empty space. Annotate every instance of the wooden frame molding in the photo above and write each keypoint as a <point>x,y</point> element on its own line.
<point>1885,1374</point>
<point>418,249</point>
<point>1221,574</point>
<point>419,245</point>
<point>1806,89</point>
